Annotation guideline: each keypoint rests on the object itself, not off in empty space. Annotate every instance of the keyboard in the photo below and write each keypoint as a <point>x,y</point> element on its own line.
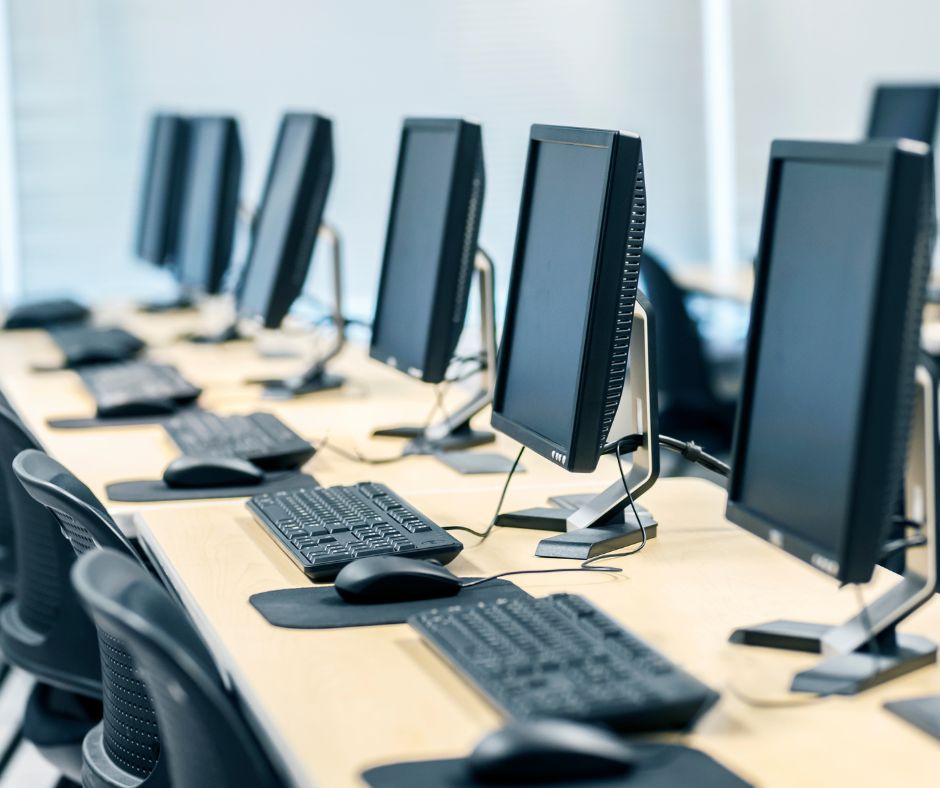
<point>560,656</point>
<point>42,314</point>
<point>137,388</point>
<point>83,345</point>
<point>261,438</point>
<point>324,528</point>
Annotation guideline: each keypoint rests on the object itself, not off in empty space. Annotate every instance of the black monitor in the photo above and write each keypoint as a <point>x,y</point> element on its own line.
<point>288,219</point>
<point>209,204</point>
<point>160,202</point>
<point>566,334</point>
<point>429,246</point>
<point>908,111</point>
<point>563,386</point>
<point>825,412</point>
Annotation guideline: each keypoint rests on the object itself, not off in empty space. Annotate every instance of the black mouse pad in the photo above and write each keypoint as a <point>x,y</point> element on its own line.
<point>922,712</point>
<point>323,608</point>
<point>145,490</point>
<point>663,766</point>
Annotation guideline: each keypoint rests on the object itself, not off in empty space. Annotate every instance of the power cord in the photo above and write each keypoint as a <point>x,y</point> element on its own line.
<point>499,506</point>
<point>695,453</point>
<point>584,566</point>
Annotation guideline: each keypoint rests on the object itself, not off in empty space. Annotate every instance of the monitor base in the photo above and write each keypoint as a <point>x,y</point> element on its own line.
<point>555,518</point>
<point>228,334</point>
<point>923,713</point>
<point>841,674</point>
<point>178,304</point>
<point>596,540</point>
<point>309,383</point>
<point>451,448</point>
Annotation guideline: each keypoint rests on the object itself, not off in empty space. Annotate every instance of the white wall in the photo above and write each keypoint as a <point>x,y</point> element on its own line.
<point>805,69</point>
<point>87,73</point>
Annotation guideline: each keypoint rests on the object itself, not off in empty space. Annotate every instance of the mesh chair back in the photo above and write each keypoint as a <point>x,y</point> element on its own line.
<point>129,732</point>
<point>205,740</point>
<point>44,629</point>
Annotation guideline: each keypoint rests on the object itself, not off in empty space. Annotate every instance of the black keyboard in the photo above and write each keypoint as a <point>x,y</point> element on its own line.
<point>560,656</point>
<point>261,438</point>
<point>83,345</point>
<point>42,314</point>
<point>324,528</point>
<point>137,388</point>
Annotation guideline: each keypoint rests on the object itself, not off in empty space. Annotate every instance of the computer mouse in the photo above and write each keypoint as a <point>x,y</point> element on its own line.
<point>140,407</point>
<point>191,472</point>
<point>392,578</point>
<point>550,750</point>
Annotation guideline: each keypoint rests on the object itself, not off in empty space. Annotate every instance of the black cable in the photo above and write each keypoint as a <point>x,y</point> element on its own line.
<point>900,545</point>
<point>499,506</point>
<point>584,566</point>
<point>355,456</point>
<point>694,453</point>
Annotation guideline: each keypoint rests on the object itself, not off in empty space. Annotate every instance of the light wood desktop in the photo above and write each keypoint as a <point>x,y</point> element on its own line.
<point>332,703</point>
<point>375,396</point>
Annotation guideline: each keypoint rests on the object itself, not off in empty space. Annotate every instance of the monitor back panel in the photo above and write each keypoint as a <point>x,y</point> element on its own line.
<point>908,111</point>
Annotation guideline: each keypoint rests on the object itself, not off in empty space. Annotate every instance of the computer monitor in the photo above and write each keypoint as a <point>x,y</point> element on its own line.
<point>160,202</point>
<point>826,404</point>
<point>209,204</point>
<point>288,219</point>
<point>908,111</point>
<point>563,362</point>
<point>430,244</point>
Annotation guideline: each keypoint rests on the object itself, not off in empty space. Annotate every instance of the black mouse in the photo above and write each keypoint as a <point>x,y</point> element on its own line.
<point>393,578</point>
<point>191,472</point>
<point>550,750</point>
<point>140,407</point>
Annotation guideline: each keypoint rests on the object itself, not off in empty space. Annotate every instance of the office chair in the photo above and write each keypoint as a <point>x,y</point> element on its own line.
<point>43,629</point>
<point>689,405</point>
<point>205,740</point>
<point>123,751</point>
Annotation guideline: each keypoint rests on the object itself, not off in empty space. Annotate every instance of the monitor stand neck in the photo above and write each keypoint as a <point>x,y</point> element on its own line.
<point>234,282</point>
<point>454,433</point>
<point>597,524</point>
<point>867,650</point>
<point>316,377</point>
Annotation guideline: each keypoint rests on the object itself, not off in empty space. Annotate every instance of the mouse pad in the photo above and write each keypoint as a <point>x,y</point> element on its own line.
<point>323,608</point>
<point>668,766</point>
<point>145,490</point>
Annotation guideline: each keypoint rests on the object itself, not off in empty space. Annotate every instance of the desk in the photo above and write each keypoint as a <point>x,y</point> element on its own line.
<point>375,396</point>
<point>330,704</point>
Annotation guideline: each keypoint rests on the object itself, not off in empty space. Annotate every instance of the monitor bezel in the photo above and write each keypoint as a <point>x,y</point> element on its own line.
<point>296,254</point>
<point>880,443</point>
<point>446,324</point>
<point>209,279</point>
<point>582,448</point>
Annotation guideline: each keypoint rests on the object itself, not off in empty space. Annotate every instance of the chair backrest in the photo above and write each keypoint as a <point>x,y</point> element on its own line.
<point>44,629</point>
<point>205,740</point>
<point>681,365</point>
<point>130,732</point>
